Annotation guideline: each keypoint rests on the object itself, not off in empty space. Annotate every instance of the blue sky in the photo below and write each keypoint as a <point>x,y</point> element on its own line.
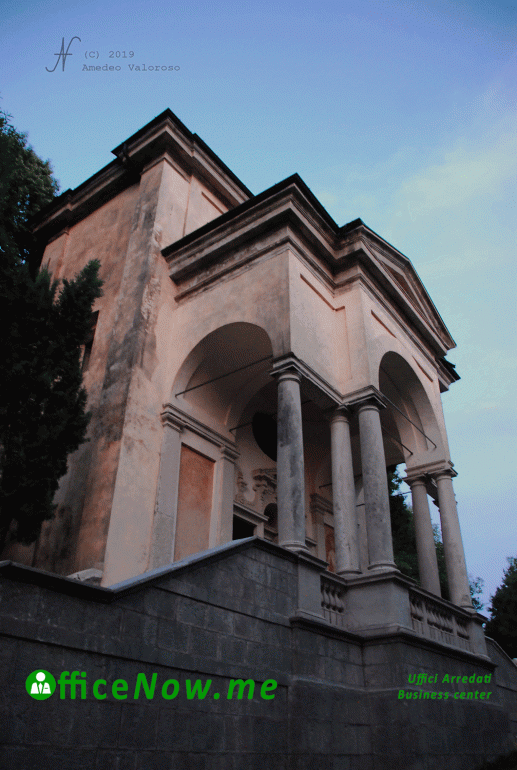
<point>401,113</point>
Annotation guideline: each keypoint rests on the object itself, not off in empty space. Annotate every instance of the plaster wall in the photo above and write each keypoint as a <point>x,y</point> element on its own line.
<point>104,235</point>
<point>134,496</point>
<point>258,295</point>
<point>125,378</point>
<point>315,337</point>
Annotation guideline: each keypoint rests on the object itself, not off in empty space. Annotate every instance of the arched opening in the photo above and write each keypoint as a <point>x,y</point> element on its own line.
<point>413,441</point>
<point>409,423</point>
<point>224,368</point>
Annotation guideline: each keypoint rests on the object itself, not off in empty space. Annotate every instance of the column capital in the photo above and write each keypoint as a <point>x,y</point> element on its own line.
<point>316,387</point>
<point>288,373</point>
<point>431,470</point>
<point>366,398</point>
<point>287,367</point>
<point>416,481</point>
<point>340,413</point>
<point>444,473</point>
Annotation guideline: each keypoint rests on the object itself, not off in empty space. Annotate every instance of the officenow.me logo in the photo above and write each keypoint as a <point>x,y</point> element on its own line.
<point>40,684</point>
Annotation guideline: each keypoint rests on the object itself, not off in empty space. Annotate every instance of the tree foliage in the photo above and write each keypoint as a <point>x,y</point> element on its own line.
<point>502,626</point>
<point>402,528</point>
<point>26,186</point>
<point>42,401</point>
<point>476,589</point>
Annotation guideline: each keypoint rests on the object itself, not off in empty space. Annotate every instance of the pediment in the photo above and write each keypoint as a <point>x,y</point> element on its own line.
<point>398,276</point>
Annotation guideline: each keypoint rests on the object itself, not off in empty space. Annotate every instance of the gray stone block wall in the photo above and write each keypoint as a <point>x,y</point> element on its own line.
<point>226,616</point>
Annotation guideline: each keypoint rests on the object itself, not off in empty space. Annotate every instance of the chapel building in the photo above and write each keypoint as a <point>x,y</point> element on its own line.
<point>253,369</point>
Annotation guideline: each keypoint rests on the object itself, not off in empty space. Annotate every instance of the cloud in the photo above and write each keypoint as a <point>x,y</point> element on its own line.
<point>461,175</point>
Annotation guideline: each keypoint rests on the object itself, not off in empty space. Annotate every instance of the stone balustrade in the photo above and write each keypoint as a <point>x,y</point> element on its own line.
<point>438,621</point>
<point>332,600</point>
<point>430,618</point>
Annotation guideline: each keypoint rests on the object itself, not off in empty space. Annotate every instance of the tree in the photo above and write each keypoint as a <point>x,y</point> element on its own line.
<point>42,401</point>
<point>402,528</point>
<point>26,186</point>
<point>502,626</point>
<point>476,589</point>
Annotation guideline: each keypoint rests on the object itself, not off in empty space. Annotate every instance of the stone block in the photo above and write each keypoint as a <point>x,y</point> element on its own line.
<point>232,650</point>
<point>18,601</point>
<point>218,619</point>
<point>269,737</point>
<point>191,612</point>
<point>102,620</point>
<point>138,725</point>
<point>238,732</point>
<point>270,762</point>
<point>173,636</point>
<point>122,760</point>
<point>166,605</point>
<point>204,643</point>
<point>97,724</point>
<point>207,734</point>
<point>311,761</point>
<point>279,580</point>
<point>305,664</point>
<point>153,760</point>
<point>362,763</point>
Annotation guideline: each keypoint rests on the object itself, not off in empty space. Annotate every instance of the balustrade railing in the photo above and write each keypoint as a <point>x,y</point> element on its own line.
<point>332,600</point>
<point>430,618</point>
<point>437,621</point>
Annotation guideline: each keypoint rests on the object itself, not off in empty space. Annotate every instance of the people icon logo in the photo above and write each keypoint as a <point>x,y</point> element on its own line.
<point>40,684</point>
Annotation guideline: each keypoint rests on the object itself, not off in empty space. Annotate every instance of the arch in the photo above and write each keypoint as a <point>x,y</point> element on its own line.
<point>410,411</point>
<point>224,370</point>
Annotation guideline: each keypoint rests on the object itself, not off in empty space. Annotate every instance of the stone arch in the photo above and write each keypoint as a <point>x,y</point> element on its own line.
<point>410,411</point>
<point>198,475</point>
<point>223,371</point>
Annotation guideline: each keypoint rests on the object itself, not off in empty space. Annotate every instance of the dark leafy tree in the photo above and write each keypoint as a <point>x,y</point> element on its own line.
<point>42,401</point>
<point>502,626</point>
<point>26,186</point>
<point>402,528</point>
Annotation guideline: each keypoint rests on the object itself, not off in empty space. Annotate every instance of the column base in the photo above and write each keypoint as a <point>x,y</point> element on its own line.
<point>383,566</point>
<point>295,545</point>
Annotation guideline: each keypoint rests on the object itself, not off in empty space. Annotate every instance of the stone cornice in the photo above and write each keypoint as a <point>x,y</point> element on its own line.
<point>287,213</point>
<point>165,135</point>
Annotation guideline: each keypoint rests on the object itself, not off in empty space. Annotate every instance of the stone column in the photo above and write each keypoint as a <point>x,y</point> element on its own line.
<point>164,528</point>
<point>426,550</point>
<point>343,494</point>
<point>452,544</point>
<point>290,465</point>
<point>375,480</point>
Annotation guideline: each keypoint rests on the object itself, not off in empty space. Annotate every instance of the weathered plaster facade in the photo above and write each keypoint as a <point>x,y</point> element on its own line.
<point>222,314</point>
